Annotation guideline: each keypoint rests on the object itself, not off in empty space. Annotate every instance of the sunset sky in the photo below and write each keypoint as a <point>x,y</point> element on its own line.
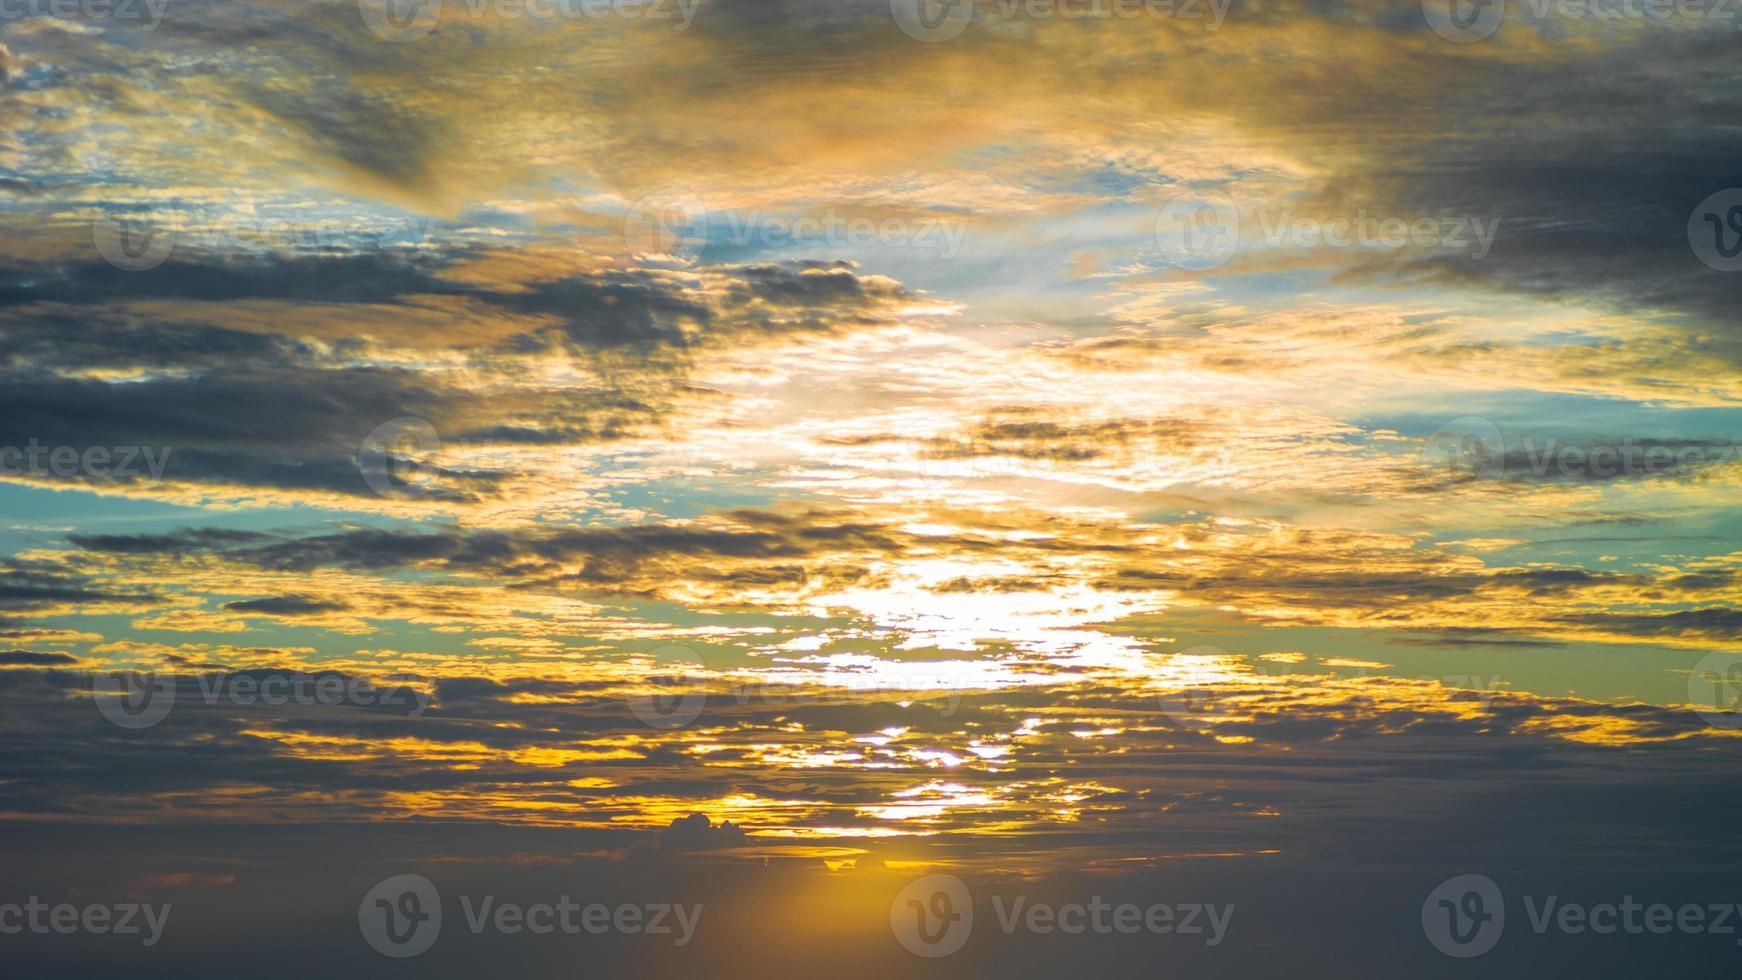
<point>1024,441</point>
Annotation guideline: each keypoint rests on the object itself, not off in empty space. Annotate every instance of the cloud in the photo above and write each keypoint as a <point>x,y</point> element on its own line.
<point>697,833</point>
<point>288,605</point>
<point>25,658</point>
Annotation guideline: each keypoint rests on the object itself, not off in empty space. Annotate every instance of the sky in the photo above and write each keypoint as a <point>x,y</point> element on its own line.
<point>786,452</point>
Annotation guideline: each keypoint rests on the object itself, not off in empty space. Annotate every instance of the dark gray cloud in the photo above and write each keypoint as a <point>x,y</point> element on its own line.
<point>361,277</point>
<point>286,605</point>
<point>28,586</point>
<point>277,410</point>
<point>1712,623</point>
<point>25,658</point>
<point>1593,162</point>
